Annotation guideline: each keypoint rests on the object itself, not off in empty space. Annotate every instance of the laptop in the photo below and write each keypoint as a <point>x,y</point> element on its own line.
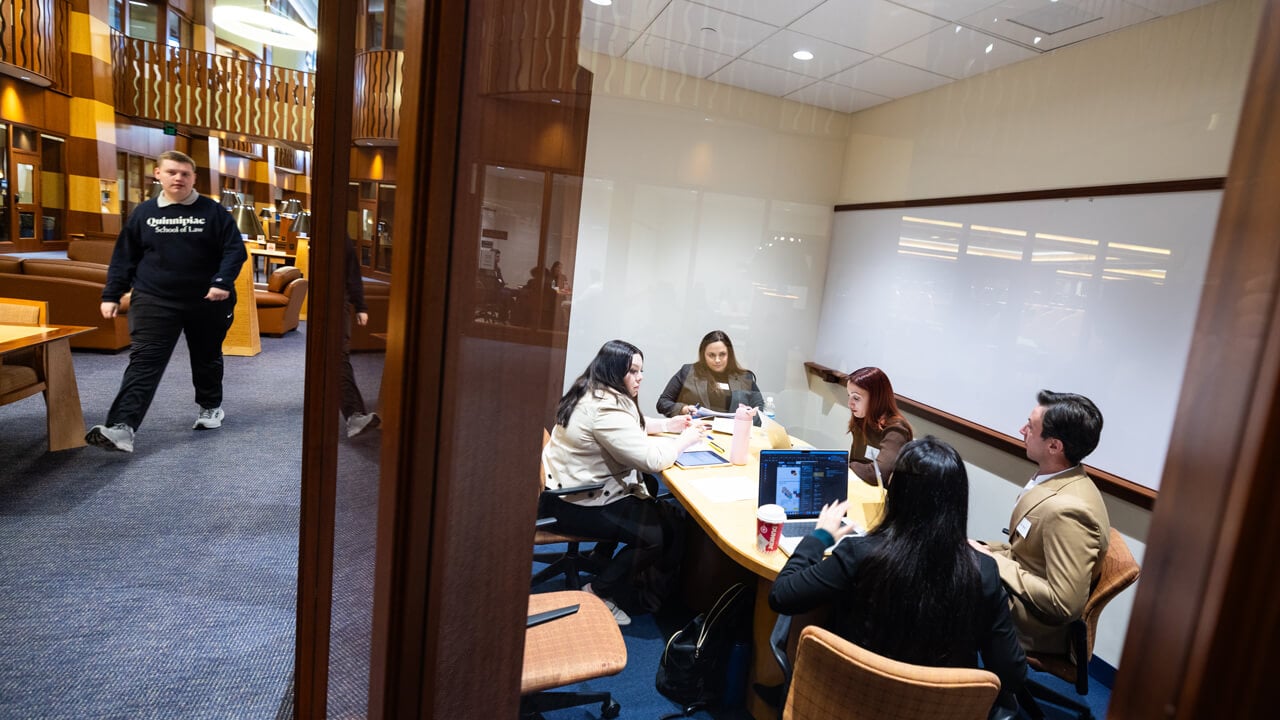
<point>802,481</point>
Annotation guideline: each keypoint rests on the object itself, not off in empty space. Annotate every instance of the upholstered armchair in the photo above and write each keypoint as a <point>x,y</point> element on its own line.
<point>279,300</point>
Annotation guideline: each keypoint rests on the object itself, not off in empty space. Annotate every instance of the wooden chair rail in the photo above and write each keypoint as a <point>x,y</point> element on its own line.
<point>1109,483</point>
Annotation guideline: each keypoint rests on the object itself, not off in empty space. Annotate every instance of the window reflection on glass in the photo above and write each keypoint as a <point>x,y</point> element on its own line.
<point>26,184</point>
<point>386,212</point>
<point>513,283</point>
<point>144,21</point>
<point>26,225</point>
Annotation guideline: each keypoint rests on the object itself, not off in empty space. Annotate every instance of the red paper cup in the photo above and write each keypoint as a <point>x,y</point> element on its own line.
<point>769,520</point>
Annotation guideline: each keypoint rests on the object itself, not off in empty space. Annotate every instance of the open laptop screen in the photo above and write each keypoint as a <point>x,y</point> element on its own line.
<point>802,481</point>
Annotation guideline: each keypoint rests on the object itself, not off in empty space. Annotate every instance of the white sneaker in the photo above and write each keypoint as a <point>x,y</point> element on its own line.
<point>619,615</point>
<point>117,437</point>
<point>209,419</point>
<point>360,422</point>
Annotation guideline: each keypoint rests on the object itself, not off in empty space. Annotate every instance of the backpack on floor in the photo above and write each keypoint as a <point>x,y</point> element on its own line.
<point>692,669</point>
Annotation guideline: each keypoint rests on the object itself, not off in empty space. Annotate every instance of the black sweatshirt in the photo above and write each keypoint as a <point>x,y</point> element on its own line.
<point>177,251</point>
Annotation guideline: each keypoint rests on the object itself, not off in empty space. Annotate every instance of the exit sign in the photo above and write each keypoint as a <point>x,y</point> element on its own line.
<point>170,129</point>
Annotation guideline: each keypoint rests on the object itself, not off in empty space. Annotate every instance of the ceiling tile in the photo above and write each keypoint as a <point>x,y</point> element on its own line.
<point>828,57</point>
<point>678,57</point>
<point>872,26</point>
<point>886,77</point>
<point>1169,7</point>
<point>773,12</point>
<point>837,97</point>
<point>761,78</point>
<point>949,9</point>
<point>959,54</point>
<point>1056,24</point>
<point>633,14</point>
<point>605,38</point>
<point>704,27</point>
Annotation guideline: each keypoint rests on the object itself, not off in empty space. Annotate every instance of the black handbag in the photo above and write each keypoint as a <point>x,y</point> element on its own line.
<point>692,668</point>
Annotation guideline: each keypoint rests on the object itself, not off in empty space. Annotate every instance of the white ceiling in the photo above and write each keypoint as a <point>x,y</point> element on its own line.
<point>865,52</point>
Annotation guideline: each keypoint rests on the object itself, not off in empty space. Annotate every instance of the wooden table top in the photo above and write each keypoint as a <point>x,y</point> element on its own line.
<point>731,524</point>
<point>18,337</point>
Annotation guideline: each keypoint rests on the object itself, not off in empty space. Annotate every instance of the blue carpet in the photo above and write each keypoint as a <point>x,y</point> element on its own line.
<point>158,584</point>
<point>646,638</point>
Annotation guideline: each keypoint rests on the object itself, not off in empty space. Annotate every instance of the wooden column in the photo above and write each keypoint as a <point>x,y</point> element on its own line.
<point>243,339</point>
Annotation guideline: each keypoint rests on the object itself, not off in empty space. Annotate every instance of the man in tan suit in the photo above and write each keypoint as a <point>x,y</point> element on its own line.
<point>1059,530</point>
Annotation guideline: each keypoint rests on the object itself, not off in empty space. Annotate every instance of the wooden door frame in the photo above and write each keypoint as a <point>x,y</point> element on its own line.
<point>1205,614</point>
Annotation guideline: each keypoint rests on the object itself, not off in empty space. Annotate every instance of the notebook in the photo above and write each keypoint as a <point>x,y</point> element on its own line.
<point>802,481</point>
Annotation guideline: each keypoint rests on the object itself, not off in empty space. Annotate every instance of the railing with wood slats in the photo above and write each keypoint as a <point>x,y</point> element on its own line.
<point>212,92</point>
<point>379,76</point>
<point>33,37</point>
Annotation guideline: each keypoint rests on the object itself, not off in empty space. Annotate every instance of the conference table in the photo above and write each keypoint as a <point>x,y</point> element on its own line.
<point>723,500</point>
<point>65,418</point>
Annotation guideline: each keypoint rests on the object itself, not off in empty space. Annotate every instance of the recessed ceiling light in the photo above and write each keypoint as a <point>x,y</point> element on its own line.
<point>1036,41</point>
<point>990,47</point>
<point>957,28</point>
<point>603,2</point>
<point>802,55</point>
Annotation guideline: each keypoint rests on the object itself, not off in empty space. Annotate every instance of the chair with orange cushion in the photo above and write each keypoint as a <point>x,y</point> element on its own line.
<point>837,680</point>
<point>22,372</point>
<point>571,562</point>
<point>1119,571</point>
<point>567,650</point>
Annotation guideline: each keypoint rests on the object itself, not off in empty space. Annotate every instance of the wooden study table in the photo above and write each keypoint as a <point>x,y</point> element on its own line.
<point>731,525</point>
<point>62,395</point>
<point>269,258</point>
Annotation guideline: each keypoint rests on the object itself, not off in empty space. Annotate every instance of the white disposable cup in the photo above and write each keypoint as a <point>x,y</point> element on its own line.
<point>769,520</point>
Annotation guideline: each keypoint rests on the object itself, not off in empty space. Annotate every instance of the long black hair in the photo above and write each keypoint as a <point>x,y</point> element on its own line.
<point>732,368</point>
<point>608,370</point>
<point>916,592</point>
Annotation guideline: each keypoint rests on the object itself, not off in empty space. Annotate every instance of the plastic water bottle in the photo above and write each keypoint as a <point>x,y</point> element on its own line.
<point>741,444</point>
<point>769,409</point>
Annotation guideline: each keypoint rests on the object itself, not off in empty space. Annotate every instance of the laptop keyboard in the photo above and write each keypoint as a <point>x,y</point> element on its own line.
<point>798,528</point>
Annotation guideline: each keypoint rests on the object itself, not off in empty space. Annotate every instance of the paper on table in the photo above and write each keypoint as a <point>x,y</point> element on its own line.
<point>722,425</point>
<point>724,489</point>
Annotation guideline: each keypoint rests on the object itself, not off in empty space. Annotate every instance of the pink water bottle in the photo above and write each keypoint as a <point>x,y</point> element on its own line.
<point>741,435</point>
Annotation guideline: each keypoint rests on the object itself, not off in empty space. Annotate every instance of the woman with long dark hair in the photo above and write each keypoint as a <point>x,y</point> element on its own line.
<point>912,589</point>
<point>716,381</point>
<point>874,422</point>
<point>601,437</point>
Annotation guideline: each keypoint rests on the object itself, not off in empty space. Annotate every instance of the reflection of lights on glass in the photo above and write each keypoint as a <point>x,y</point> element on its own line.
<point>802,55</point>
<point>1140,248</point>
<point>1066,238</point>
<point>1002,231</point>
<point>926,221</point>
<point>926,255</point>
<point>990,47</point>
<point>1060,256</point>
<point>603,3</point>
<point>993,252</point>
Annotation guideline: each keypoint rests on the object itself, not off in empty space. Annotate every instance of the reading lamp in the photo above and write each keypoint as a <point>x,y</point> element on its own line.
<point>247,222</point>
<point>291,208</point>
<point>302,224</point>
<point>230,199</point>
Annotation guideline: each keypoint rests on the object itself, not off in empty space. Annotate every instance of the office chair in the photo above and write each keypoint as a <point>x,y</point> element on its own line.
<point>572,648</point>
<point>837,680</point>
<point>1119,571</point>
<point>572,561</point>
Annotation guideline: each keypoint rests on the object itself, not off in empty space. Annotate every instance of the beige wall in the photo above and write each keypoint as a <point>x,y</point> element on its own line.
<point>1158,101</point>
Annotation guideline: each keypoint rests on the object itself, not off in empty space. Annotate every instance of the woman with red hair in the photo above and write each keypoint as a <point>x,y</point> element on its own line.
<point>875,422</point>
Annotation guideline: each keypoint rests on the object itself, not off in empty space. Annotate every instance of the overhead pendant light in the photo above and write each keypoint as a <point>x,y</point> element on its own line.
<point>265,27</point>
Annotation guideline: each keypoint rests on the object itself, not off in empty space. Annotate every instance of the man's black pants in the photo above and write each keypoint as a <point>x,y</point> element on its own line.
<point>154,326</point>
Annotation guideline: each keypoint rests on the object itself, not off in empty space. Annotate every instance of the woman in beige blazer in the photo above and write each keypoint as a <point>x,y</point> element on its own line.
<point>602,443</point>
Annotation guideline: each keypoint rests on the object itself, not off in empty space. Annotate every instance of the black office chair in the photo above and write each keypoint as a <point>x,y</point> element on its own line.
<point>572,561</point>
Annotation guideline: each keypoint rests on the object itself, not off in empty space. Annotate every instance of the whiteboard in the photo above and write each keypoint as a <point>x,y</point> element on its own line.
<point>974,308</point>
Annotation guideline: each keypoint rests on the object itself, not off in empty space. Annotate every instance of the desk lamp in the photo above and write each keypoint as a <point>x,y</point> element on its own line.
<point>247,222</point>
<point>230,199</point>
<point>291,208</point>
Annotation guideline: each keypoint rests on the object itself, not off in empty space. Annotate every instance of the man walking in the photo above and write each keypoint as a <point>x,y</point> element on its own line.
<point>180,253</point>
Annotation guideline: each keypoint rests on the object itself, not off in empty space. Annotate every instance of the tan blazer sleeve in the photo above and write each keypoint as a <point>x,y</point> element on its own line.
<point>1072,543</point>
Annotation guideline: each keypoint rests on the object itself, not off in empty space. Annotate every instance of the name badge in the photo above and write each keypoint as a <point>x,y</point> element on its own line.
<point>723,386</point>
<point>1024,527</point>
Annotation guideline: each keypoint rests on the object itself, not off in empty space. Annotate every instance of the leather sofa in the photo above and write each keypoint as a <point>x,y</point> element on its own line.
<point>73,290</point>
<point>279,300</point>
<point>94,250</point>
